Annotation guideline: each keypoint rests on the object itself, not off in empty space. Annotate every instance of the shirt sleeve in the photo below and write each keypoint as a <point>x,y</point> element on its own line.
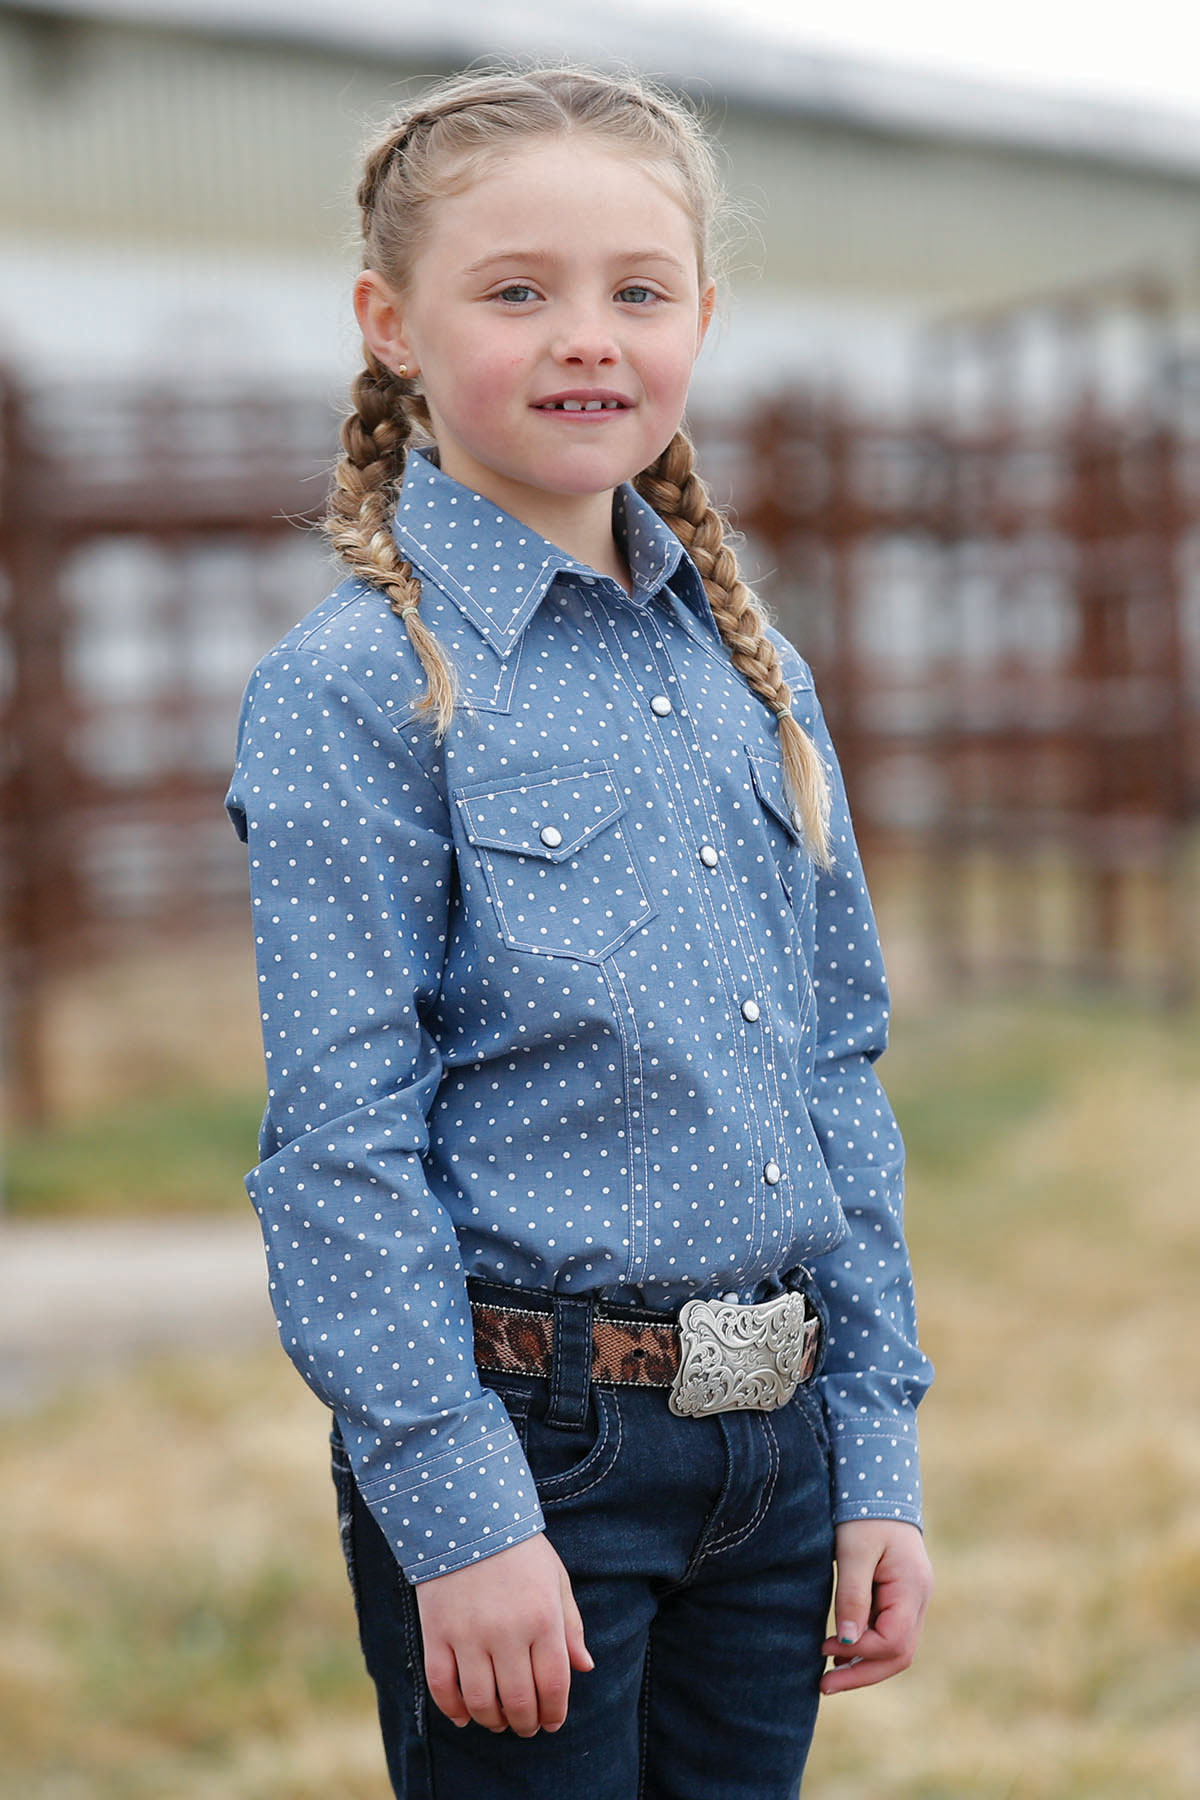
<point>351,876</point>
<point>874,1373</point>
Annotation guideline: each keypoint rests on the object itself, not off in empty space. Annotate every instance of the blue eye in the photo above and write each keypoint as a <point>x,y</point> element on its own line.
<point>517,294</point>
<point>636,295</point>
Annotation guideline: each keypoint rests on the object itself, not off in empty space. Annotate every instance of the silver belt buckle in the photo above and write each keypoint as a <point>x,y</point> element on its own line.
<point>742,1356</point>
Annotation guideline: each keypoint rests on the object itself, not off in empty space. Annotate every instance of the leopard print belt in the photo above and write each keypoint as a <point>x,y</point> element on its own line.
<point>735,1356</point>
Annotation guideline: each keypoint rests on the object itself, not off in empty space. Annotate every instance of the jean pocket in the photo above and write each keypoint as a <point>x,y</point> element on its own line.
<point>809,1405</point>
<point>568,1463</point>
<point>516,1393</point>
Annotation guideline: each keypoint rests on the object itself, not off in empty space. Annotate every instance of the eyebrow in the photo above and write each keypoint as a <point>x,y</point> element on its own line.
<point>540,258</point>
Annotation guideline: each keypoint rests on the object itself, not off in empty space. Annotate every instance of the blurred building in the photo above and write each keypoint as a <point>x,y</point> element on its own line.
<point>175,181</point>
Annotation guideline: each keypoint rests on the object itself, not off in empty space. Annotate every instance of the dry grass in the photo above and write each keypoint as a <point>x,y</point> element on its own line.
<point>1059,1253</point>
<point>177,1623</point>
<point>158,1019</point>
<point>177,1620</point>
<point>156,1086</point>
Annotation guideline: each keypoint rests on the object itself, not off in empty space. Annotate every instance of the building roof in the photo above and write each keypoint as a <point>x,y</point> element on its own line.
<point>747,66</point>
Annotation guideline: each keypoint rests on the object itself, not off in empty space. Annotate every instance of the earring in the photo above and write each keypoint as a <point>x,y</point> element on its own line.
<point>402,371</point>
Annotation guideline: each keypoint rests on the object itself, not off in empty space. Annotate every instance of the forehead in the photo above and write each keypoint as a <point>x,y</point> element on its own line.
<point>555,188</point>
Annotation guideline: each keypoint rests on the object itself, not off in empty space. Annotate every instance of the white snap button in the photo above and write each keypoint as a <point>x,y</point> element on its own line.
<point>750,1010</point>
<point>731,1299</point>
<point>660,705</point>
<point>772,1173</point>
<point>708,856</point>
<point>551,836</point>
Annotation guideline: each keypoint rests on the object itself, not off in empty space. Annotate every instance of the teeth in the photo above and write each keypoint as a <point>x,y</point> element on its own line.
<point>585,406</point>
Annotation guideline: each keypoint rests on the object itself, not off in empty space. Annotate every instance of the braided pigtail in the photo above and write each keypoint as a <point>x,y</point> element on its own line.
<point>358,520</point>
<point>677,494</point>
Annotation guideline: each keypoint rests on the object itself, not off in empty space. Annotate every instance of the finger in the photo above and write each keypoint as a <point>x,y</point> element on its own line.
<point>863,1671</point>
<point>876,1657</point>
<point>852,1604</point>
<point>898,1621</point>
<point>552,1679</point>
<point>870,1647</point>
<point>577,1650</point>
<point>895,1628</point>
<point>441,1676</point>
<point>517,1689</point>
<point>477,1681</point>
<point>891,1634</point>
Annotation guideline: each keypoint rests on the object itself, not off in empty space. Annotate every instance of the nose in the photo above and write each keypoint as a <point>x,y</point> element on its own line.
<point>585,340</point>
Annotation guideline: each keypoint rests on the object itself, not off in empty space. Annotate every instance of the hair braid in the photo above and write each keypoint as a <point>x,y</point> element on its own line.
<point>679,496</point>
<point>358,520</point>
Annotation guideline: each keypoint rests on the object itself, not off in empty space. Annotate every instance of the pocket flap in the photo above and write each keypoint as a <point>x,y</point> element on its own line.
<point>550,815</point>
<point>767,775</point>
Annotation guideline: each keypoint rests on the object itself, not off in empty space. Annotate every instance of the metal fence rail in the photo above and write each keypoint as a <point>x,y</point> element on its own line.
<point>150,552</point>
<point>1004,627</point>
<point>1003,613</point>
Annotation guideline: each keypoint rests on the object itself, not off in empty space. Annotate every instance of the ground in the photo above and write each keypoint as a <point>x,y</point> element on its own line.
<point>177,1621</point>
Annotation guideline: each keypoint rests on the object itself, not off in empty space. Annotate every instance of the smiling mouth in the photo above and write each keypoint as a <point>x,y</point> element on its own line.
<point>577,406</point>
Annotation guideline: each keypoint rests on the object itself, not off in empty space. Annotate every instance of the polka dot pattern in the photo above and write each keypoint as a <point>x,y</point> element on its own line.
<point>561,1002</point>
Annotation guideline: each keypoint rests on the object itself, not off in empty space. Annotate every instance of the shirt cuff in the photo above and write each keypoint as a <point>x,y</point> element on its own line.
<point>461,1507</point>
<point>876,1473</point>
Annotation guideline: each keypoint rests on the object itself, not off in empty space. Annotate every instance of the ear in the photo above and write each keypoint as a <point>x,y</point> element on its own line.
<point>380,314</point>
<point>708,304</point>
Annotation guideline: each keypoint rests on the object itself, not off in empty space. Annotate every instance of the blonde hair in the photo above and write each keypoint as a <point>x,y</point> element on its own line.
<point>437,148</point>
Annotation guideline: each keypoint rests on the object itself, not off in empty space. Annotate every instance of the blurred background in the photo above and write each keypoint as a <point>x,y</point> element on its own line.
<point>953,404</point>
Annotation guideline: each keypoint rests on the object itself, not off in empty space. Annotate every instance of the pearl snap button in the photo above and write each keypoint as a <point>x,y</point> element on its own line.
<point>731,1299</point>
<point>772,1173</point>
<point>708,856</point>
<point>750,1010</point>
<point>660,705</point>
<point>551,836</point>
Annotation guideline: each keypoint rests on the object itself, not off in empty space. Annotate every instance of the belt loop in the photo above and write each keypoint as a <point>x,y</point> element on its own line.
<point>571,1370</point>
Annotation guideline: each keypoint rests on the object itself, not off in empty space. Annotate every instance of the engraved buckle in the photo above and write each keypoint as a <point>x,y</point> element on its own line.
<point>742,1356</point>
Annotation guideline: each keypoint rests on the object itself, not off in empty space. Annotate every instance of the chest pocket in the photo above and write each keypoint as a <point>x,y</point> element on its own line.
<point>787,837</point>
<point>559,870</point>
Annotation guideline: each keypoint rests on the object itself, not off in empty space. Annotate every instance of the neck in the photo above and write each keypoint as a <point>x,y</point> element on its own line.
<point>580,524</point>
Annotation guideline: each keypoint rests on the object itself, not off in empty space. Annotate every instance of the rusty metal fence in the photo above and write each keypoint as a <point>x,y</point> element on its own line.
<point>1001,597</point>
<point>1003,628</point>
<point>150,551</point>
<point>1003,611</point>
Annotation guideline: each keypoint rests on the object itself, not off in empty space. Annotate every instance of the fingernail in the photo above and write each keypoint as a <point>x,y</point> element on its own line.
<point>848,1633</point>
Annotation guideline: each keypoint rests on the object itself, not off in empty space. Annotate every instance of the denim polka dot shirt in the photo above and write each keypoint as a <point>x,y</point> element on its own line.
<point>561,1003</point>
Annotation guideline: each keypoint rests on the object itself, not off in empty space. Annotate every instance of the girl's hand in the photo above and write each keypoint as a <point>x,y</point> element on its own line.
<point>501,1638</point>
<point>884,1581</point>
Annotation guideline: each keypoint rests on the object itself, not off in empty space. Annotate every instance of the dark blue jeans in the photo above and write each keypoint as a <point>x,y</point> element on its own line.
<point>700,1552</point>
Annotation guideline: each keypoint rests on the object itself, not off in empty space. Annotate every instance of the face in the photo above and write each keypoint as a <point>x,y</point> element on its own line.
<point>554,314</point>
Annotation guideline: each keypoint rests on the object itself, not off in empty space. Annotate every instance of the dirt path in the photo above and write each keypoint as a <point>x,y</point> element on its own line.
<point>77,1295</point>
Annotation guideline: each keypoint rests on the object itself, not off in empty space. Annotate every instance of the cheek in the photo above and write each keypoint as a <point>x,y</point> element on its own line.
<point>481,377</point>
<point>670,371</point>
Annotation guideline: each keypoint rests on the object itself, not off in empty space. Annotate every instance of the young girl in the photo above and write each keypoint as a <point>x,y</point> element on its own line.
<point>580,1195</point>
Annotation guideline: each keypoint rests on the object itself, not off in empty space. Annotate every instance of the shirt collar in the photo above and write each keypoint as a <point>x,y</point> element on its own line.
<point>498,571</point>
